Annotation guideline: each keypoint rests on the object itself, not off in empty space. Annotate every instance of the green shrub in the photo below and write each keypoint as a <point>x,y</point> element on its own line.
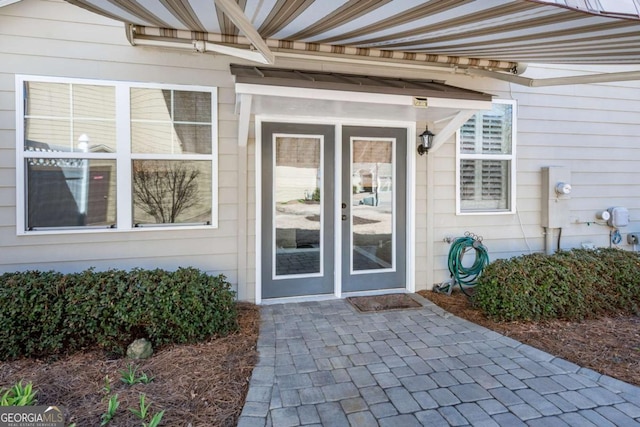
<point>49,313</point>
<point>567,285</point>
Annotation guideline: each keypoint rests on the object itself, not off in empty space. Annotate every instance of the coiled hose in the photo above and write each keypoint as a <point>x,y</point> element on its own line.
<point>465,277</point>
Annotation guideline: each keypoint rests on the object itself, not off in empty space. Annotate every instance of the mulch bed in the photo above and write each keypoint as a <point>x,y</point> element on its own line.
<point>203,384</point>
<point>608,345</point>
<point>383,302</point>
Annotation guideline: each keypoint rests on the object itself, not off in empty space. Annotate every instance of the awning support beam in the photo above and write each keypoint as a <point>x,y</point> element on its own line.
<point>237,16</point>
<point>557,81</point>
<point>451,128</point>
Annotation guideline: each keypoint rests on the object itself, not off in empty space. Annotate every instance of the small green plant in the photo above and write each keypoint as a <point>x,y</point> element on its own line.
<point>131,376</point>
<point>143,410</point>
<point>107,385</point>
<point>19,395</point>
<point>144,379</point>
<point>112,407</point>
<point>155,421</point>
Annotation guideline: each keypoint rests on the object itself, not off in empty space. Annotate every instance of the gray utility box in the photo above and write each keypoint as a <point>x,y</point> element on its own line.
<point>555,203</point>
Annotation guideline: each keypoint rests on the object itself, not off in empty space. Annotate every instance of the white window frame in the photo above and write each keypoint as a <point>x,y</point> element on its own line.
<point>483,156</point>
<point>123,156</point>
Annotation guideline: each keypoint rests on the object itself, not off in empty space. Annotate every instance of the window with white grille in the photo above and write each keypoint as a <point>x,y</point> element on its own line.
<point>486,161</point>
<point>103,155</point>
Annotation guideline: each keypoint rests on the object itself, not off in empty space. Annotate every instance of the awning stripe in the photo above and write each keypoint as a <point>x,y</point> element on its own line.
<point>421,12</point>
<point>555,38</point>
<point>281,15</point>
<point>142,15</point>
<point>185,13</point>
<point>350,10</point>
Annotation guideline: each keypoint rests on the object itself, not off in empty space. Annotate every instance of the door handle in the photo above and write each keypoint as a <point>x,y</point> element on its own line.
<point>344,205</point>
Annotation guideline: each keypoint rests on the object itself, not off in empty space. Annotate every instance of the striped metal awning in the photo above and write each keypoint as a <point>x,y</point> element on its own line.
<point>494,34</point>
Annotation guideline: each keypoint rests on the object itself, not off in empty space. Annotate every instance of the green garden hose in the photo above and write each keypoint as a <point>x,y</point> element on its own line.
<point>465,277</point>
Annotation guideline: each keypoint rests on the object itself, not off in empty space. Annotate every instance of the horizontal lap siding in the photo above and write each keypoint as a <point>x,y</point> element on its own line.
<point>591,129</point>
<point>56,39</point>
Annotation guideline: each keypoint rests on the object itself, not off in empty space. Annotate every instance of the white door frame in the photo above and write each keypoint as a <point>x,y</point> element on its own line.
<point>410,212</point>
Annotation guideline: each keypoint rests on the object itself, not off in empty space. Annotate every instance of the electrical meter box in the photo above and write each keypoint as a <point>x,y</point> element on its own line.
<point>618,217</point>
<point>556,196</point>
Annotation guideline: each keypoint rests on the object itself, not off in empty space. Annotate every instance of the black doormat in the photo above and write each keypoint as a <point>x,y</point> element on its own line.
<point>383,302</point>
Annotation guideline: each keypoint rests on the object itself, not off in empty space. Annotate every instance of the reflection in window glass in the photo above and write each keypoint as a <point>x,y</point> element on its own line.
<point>70,193</point>
<point>170,122</point>
<point>298,205</point>
<point>372,204</point>
<point>59,115</point>
<point>171,192</point>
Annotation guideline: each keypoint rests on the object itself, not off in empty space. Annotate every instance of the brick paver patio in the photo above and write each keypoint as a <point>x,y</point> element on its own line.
<point>324,363</point>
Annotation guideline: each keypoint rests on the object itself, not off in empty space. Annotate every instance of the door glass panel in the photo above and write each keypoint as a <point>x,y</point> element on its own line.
<point>372,204</point>
<point>298,205</point>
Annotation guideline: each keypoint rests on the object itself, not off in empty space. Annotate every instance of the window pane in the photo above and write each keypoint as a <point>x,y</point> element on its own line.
<point>298,205</point>
<point>372,204</point>
<point>163,138</point>
<point>47,99</point>
<point>150,104</point>
<point>488,132</point>
<point>192,106</point>
<point>94,102</point>
<point>156,138</point>
<point>47,135</point>
<point>193,139</point>
<point>171,192</point>
<point>70,192</point>
<point>97,136</point>
<point>484,184</point>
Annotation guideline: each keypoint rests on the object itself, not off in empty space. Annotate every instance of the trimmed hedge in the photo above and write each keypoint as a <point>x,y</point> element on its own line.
<point>46,313</point>
<point>569,285</point>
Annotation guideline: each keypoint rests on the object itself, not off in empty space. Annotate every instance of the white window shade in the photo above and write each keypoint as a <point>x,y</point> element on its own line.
<point>486,161</point>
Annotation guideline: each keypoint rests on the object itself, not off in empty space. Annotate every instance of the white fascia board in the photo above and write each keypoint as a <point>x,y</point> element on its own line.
<point>459,104</point>
<point>365,97</point>
<point>323,94</point>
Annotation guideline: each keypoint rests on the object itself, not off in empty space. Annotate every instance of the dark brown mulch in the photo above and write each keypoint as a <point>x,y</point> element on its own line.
<point>383,302</point>
<point>608,345</point>
<point>203,384</point>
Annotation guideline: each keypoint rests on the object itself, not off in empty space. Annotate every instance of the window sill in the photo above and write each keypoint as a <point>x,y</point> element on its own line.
<point>115,230</point>
<point>500,212</point>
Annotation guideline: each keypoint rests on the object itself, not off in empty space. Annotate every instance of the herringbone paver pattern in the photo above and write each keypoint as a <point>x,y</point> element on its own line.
<point>324,363</point>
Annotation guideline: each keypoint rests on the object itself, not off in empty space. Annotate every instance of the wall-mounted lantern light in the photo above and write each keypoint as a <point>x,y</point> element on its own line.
<point>426,141</point>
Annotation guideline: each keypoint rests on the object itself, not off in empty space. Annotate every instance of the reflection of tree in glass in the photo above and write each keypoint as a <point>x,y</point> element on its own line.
<point>164,189</point>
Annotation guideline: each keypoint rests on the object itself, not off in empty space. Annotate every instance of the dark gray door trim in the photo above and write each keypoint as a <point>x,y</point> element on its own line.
<point>376,280</point>
<point>297,286</point>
